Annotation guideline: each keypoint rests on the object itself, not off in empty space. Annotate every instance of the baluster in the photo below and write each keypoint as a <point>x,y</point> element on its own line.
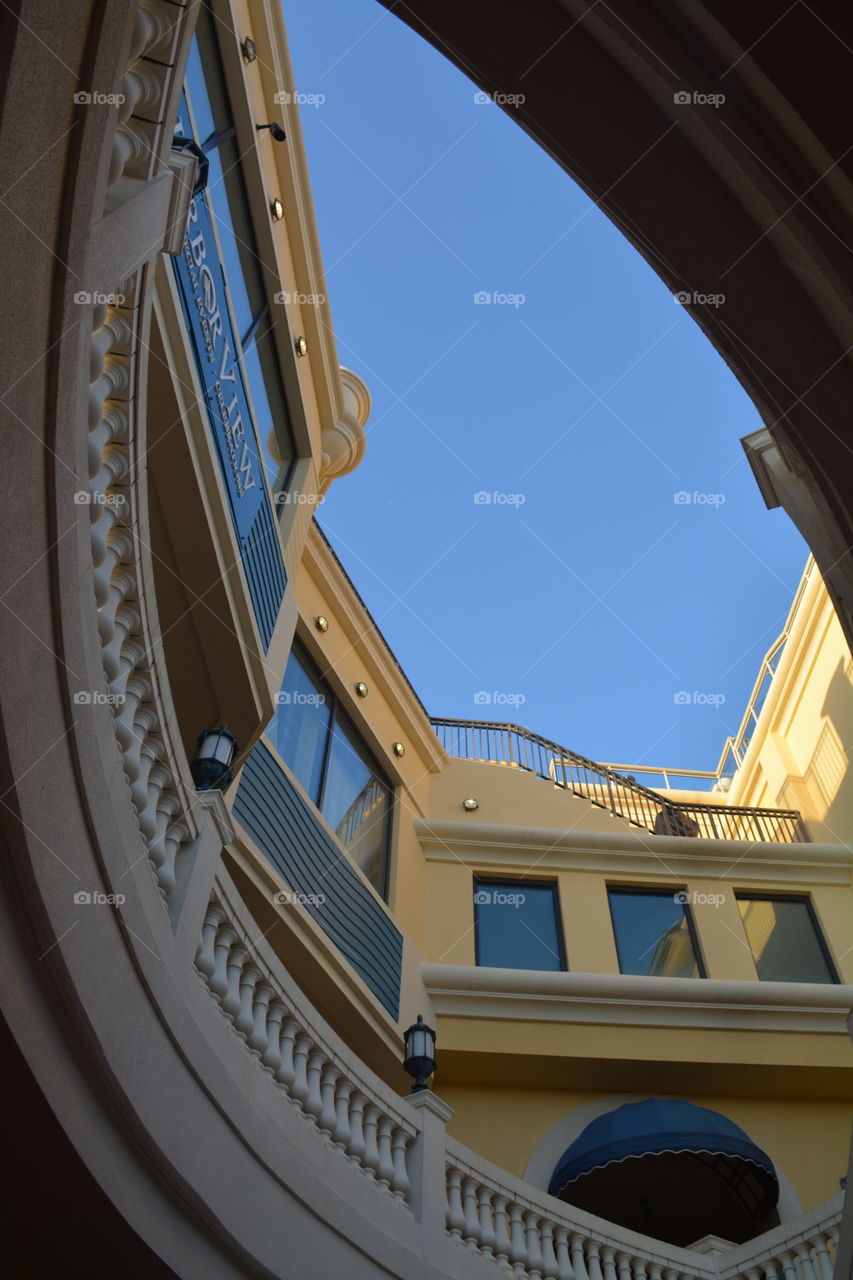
<point>385,1171</point>
<point>343,1132</point>
<point>258,1036</point>
<point>752,1273</point>
<point>313,1104</point>
<point>455,1212</point>
<point>245,1021</point>
<point>357,1144</point>
<point>519,1240</point>
<point>370,1160</point>
<point>271,1059</point>
<point>535,1261</point>
<point>486,1231</point>
<point>639,1269</point>
<point>221,950</point>
<point>236,959</point>
<point>788,1266</point>
<point>822,1259</point>
<point>655,1271</point>
<point>593,1266</point>
<point>286,1071</point>
<point>805,1264</point>
<point>608,1253</point>
<point>299,1084</point>
<point>579,1261</point>
<point>469,1206</point>
<point>206,958</point>
<point>771,1271</point>
<point>550,1267</point>
<point>503,1244</point>
<point>328,1118</point>
<point>399,1146</point>
<point>564,1258</point>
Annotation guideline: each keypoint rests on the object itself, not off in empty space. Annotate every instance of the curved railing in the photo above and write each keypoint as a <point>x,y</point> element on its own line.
<point>347,1104</point>
<point>509,744</point>
<point>532,1236</point>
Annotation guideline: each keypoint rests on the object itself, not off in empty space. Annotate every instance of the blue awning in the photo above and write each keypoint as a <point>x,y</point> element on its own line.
<point>655,1127</point>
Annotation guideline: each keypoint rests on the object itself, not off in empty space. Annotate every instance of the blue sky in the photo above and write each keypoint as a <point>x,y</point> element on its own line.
<point>583,595</point>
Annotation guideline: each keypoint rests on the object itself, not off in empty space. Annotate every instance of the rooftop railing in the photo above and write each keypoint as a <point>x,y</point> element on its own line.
<point>510,745</point>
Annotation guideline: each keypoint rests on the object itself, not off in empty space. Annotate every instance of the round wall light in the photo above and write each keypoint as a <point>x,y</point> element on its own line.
<point>470,804</point>
<point>249,49</point>
<point>276,209</point>
<point>301,346</point>
<point>398,748</point>
<point>361,689</point>
<point>321,623</point>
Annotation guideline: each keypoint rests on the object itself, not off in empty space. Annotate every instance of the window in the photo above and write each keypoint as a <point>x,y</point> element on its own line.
<point>654,933</point>
<point>242,265</point>
<point>323,749</point>
<point>785,939</point>
<point>516,924</point>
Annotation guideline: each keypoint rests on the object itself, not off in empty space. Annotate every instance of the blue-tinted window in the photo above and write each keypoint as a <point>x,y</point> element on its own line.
<point>517,925</point>
<point>356,801</point>
<point>784,938</point>
<point>300,729</point>
<point>654,933</point>
<point>323,749</point>
<point>242,265</point>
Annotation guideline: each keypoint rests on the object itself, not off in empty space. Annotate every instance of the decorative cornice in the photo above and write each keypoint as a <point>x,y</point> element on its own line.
<point>367,641</point>
<point>343,443</point>
<point>468,991</point>
<point>634,853</point>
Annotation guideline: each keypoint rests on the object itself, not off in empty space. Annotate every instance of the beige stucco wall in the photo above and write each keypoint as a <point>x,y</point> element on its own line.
<point>806,1139</point>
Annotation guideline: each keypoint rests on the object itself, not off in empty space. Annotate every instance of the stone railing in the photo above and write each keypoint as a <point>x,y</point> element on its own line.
<point>349,1106</point>
<point>163,809</point>
<point>157,29</point>
<point>532,1236</point>
<point>800,1250</point>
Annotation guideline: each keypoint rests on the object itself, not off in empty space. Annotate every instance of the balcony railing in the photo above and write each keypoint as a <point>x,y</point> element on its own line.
<point>510,745</point>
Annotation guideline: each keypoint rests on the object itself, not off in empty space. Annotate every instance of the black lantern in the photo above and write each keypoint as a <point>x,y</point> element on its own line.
<point>215,752</point>
<point>419,1048</point>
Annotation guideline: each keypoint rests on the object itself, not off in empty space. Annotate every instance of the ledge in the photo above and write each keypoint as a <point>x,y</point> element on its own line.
<point>635,852</point>
<point>467,991</point>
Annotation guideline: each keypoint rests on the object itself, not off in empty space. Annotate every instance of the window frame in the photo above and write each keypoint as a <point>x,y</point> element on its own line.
<point>658,891</point>
<point>486,881</point>
<point>334,702</point>
<point>757,895</point>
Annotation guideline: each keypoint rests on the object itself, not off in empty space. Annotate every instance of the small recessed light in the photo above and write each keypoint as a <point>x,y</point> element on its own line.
<point>398,748</point>
<point>301,347</point>
<point>470,804</point>
<point>361,689</point>
<point>321,623</point>
<point>276,209</point>
<point>249,49</point>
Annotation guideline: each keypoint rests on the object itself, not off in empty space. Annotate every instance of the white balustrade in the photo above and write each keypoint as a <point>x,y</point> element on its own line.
<point>533,1237</point>
<point>526,1234</point>
<point>266,1010</point>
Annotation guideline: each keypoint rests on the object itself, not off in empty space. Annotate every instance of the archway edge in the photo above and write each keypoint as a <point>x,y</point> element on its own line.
<point>751,199</point>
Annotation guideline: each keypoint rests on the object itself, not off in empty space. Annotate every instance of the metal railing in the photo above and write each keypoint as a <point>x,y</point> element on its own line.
<point>510,745</point>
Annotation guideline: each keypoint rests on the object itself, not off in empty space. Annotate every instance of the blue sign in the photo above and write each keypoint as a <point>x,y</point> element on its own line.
<point>203,289</point>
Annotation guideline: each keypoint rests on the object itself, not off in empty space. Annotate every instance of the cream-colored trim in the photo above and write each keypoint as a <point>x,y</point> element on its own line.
<point>322,567</point>
<point>800,629</point>
<point>469,991</point>
<point>634,853</point>
<point>211,486</point>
